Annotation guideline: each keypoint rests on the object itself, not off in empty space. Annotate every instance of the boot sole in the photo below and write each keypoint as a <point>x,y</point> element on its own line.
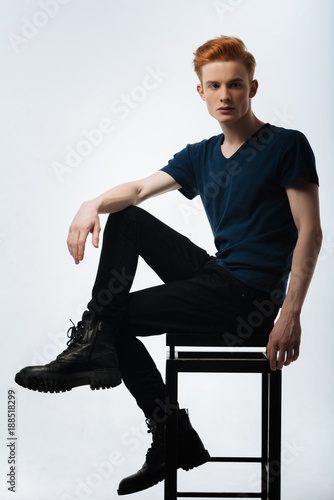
<point>148,484</point>
<point>186,463</point>
<point>189,461</point>
<point>96,379</point>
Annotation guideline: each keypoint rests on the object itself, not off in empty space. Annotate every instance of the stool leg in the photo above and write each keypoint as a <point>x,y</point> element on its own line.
<point>265,436</point>
<point>171,432</point>
<point>275,410</point>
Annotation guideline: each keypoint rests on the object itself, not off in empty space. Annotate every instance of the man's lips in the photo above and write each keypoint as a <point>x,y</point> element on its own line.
<point>225,108</point>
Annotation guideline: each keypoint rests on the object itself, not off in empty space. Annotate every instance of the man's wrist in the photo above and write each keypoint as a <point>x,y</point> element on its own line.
<point>290,309</point>
<point>94,204</point>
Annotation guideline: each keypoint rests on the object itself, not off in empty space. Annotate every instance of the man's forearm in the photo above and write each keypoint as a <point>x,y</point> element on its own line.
<point>133,193</point>
<point>117,198</point>
<point>303,264</point>
<point>284,339</point>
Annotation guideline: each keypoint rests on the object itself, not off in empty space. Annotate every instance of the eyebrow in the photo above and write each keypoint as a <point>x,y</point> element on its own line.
<point>230,81</point>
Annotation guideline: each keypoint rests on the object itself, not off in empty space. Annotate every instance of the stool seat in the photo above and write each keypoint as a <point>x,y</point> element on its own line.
<point>233,360</point>
<point>216,340</point>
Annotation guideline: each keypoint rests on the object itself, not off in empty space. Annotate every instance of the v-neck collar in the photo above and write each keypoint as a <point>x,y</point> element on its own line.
<point>242,145</point>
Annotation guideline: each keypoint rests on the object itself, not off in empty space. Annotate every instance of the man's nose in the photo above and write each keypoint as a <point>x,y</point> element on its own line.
<point>224,94</point>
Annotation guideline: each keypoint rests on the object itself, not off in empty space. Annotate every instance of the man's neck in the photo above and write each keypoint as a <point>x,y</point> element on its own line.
<point>238,132</point>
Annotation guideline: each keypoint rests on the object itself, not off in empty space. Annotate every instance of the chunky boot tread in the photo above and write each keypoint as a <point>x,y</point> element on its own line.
<point>90,359</point>
<point>97,379</point>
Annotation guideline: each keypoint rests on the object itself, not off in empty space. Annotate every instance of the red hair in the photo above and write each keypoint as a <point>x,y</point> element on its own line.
<point>223,48</point>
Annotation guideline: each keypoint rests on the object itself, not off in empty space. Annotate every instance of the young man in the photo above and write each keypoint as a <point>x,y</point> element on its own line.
<point>259,188</point>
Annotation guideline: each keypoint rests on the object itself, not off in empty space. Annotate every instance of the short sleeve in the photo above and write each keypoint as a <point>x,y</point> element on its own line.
<point>296,160</point>
<point>181,169</point>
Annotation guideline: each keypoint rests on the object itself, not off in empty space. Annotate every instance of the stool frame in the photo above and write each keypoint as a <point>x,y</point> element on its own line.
<point>233,361</point>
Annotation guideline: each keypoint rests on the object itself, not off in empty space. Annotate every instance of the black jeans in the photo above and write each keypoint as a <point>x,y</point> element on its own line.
<point>198,296</point>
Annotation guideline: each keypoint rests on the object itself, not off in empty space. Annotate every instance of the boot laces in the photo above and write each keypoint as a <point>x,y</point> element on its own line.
<point>75,334</point>
<point>149,425</point>
<point>158,441</point>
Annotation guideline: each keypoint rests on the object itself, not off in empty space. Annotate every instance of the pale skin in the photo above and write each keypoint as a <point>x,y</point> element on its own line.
<point>226,84</point>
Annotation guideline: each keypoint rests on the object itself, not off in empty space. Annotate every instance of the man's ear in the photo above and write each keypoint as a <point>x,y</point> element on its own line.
<point>253,88</point>
<point>200,91</point>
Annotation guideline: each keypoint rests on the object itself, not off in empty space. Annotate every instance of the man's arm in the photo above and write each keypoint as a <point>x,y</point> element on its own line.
<point>284,339</point>
<point>131,193</point>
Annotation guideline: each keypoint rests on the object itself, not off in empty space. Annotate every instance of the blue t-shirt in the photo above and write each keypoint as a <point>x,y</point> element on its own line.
<point>246,202</point>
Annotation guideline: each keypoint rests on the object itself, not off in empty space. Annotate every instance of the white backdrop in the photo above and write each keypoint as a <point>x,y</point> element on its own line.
<point>68,68</point>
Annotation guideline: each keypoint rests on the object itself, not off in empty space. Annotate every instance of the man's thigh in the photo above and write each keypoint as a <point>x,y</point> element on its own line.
<point>213,301</point>
<point>134,231</point>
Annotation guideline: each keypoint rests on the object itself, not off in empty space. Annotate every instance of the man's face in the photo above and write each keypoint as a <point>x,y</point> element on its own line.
<point>226,90</point>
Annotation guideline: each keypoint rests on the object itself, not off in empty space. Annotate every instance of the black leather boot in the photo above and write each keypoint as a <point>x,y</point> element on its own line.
<point>90,359</point>
<point>191,453</point>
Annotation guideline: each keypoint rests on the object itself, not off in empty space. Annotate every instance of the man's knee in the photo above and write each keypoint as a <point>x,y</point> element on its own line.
<point>128,214</point>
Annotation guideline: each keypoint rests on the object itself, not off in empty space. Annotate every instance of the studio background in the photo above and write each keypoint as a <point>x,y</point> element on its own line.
<point>67,67</point>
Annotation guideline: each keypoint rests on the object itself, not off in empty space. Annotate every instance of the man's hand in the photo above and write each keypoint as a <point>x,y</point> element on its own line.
<point>284,341</point>
<point>118,198</point>
<point>85,221</point>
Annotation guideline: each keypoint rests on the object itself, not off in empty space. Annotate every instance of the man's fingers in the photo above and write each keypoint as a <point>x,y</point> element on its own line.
<point>85,221</point>
<point>77,236</point>
<point>81,249</point>
<point>71,243</point>
<point>281,359</point>
<point>289,357</point>
<point>272,356</point>
<point>295,353</point>
<point>95,237</point>
<point>277,357</point>
<point>76,244</point>
<point>273,361</point>
<point>292,354</point>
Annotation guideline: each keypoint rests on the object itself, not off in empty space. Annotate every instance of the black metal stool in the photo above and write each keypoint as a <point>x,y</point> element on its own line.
<point>235,360</point>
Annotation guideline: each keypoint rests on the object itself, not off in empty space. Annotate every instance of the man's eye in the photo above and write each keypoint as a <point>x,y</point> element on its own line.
<point>235,85</point>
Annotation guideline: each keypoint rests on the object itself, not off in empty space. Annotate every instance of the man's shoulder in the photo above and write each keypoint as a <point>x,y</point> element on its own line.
<point>204,143</point>
<point>206,148</point>
<point>282,134</point>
